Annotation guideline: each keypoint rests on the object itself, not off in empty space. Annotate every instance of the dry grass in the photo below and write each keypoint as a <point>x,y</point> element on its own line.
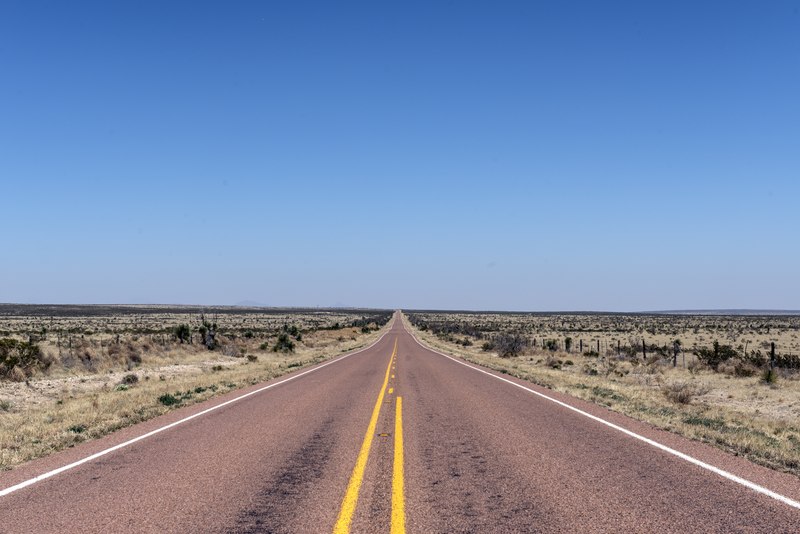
<point>80,399</point>
<point>683,392</point>
<point>741,414</point>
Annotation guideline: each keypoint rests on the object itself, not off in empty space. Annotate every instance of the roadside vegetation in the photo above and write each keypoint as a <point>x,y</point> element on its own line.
<point>69,374</point>
<point>710,378</point>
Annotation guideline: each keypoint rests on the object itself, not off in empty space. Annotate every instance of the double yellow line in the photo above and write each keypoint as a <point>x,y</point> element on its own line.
<point>351,496</point>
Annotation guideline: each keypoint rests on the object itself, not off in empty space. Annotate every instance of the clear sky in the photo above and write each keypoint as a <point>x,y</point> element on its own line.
<point>462,155</point>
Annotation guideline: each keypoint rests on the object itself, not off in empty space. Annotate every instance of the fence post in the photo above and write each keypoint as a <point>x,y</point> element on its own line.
<point>675,350</point>
<point>644,350</point>
<point>772,356</point>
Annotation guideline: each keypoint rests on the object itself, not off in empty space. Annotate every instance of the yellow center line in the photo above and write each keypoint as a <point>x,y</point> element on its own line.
<point>351,496</point>
<point>398,499</point>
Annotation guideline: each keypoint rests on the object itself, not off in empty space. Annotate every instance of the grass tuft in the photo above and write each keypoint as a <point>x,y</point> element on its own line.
<point>683,392</point>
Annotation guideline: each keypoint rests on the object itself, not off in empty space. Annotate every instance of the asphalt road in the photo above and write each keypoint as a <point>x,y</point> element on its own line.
<point>330,451</point>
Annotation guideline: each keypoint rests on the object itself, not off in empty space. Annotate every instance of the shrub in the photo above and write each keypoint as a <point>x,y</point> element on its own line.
<point>508,345</point>
<point>284,344</point>
<point>487,346</point>
<point>683,392</point>
<point>129,379</point>
<point>291,330</point>
<point>787,361</point>
<point>715,355</point>
<point>25,356</point>
<point>695,365</point>
<point>232,350</point>
<point>168,400</point>
<point>252,358</point>
<point>208,332</point>
<point>737,368</point>
<point>183,333</point>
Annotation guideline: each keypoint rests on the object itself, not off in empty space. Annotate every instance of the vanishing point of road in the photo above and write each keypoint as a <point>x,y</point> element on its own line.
<point>395,438</point>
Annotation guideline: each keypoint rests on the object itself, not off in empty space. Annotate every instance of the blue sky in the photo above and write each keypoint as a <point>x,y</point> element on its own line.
<point>495,155</point>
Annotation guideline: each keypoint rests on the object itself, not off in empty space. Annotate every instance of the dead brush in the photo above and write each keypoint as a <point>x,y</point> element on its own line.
<point>683,392</point>
<point>653,366</point>
<point>552,362</point>
<point>737,368</point>
<point>124,354</point>
<point>695,366</point>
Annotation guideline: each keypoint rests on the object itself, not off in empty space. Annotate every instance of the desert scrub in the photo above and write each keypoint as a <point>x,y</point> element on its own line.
<point>42,416</point>
<point>284,343</point>
<point>726,409</point>
<point>683,392</point>
<point>21,359</point>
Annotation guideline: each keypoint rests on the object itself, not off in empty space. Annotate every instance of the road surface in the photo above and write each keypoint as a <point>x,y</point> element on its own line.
<point>330,450</point>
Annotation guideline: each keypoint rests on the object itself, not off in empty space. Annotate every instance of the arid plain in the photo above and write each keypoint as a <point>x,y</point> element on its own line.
<point>91,370</point>
<point>733,398</point>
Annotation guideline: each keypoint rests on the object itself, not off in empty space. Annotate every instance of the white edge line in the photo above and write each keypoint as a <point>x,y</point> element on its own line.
<point>730,476</point>
<point>96,455</point>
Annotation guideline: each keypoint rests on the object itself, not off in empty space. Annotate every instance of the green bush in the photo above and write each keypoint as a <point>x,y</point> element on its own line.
<point>183,333</point>
<point>284,344</point>
<point>168,400</point>
<point>715,355</point>
<point>291,330</point>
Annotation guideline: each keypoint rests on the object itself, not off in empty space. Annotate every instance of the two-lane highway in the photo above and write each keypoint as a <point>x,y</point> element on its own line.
<point>397,438</point>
